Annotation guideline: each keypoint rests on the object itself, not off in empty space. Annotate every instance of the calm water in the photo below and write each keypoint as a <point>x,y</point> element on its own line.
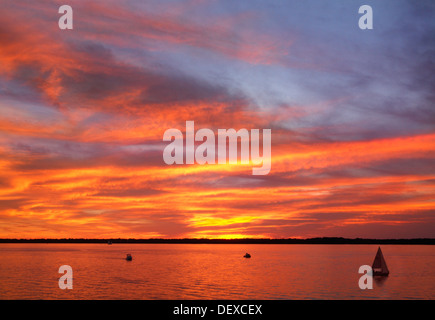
<point>202,271</point>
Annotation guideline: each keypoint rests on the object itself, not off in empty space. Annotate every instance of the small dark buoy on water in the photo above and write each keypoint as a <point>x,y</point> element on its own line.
<point>247,255</point>
<point>129,257</point>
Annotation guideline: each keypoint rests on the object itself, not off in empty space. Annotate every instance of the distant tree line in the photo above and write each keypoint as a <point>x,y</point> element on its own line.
<point>324,240</point>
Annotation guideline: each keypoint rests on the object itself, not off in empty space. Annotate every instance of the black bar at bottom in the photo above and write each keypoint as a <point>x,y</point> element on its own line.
<point>213,309</point>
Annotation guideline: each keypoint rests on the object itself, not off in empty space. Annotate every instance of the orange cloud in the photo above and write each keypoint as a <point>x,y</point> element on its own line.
<point>81,139</point>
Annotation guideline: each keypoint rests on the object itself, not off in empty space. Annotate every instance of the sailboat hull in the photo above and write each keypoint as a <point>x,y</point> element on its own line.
<point>380,274</point>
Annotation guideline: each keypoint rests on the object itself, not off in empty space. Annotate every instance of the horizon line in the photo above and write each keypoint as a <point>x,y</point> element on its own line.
<point>315,240</point>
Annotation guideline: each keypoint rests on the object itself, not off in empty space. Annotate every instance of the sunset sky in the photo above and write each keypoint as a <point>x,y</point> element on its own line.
<point>83,112</point>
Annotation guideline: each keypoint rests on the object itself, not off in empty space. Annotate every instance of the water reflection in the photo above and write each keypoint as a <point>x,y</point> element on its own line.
<point>215,271</point>
<point>380,280</point>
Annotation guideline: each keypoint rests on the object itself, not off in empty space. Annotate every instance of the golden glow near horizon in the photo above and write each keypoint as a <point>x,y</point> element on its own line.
<point>83,112</point>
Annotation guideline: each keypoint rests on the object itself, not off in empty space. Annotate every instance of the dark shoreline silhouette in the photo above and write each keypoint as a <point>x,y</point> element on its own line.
<point>324,240</point>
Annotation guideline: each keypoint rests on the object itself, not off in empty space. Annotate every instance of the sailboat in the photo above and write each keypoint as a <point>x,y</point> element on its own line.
<point>379,265</point>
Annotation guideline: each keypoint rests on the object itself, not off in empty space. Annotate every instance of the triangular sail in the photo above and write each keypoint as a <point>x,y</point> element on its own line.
<point>379,265</point>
